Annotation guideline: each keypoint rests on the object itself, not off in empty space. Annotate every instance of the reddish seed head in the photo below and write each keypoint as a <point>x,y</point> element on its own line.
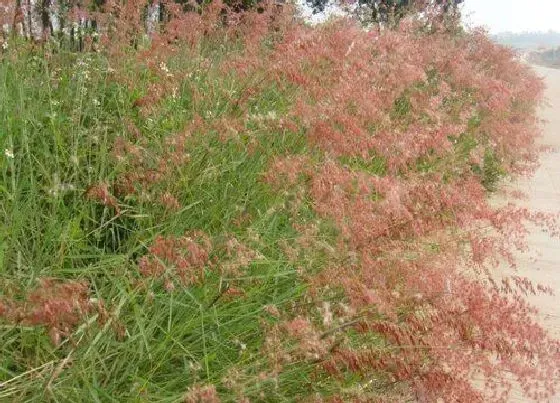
<point>100,193</point>
<point>202,394</point>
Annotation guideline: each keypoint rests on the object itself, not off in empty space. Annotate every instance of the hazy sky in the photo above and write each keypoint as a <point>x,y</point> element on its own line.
<point>513,15</point>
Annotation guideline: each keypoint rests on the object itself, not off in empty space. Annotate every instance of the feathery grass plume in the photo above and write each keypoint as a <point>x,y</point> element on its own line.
<point>59,306</point>
<point>177,259</point>
<point>422,104</point>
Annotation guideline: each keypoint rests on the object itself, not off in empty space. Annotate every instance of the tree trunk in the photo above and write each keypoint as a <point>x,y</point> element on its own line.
<point>153,17</point>
<point>54,13</point>
<point>32,19</point>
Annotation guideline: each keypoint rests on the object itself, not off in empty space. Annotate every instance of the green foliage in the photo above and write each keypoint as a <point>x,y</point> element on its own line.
<point>60,118</point>
<point>492,171</point>
<point>372,165</point>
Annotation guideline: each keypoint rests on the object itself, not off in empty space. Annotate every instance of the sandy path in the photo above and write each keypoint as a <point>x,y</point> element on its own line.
<point>542,263</point>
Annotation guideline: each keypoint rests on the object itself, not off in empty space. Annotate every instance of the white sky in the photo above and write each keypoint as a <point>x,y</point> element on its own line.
<point>513,15</point>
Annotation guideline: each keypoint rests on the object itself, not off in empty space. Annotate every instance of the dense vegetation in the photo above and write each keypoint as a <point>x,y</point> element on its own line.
<point>548,57</point>
<point>246,208</point>
<point>529,40</point>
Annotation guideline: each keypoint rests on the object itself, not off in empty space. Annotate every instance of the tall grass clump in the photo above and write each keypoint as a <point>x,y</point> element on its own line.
<point>242,207</point>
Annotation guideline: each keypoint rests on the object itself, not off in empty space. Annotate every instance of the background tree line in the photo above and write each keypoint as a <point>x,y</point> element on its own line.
<point>38,19</point>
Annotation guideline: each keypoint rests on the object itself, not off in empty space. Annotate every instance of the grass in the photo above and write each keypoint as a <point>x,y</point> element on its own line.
<point>60,118</point>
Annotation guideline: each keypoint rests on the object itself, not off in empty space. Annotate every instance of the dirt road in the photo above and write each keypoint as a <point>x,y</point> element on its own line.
<point>542,263</point>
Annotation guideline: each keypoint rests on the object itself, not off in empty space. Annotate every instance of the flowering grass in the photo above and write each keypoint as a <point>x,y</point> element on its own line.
<point>266,211</point>
<point>58,226</point>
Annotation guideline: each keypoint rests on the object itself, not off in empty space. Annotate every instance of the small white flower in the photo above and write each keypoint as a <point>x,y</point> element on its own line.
<point>96,102</point>
<point>4,45</point>
<point>195,366</point>
<point>67,187</point>
<point>165,69</point>
<point>9,153</point>
<point>242,346</point>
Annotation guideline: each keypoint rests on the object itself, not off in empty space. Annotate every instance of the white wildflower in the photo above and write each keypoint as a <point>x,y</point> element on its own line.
<point>194,366</point>
<point>61,188</point>
<point>165,69</point>
<point>9,153</point>
<point>242,346</point>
